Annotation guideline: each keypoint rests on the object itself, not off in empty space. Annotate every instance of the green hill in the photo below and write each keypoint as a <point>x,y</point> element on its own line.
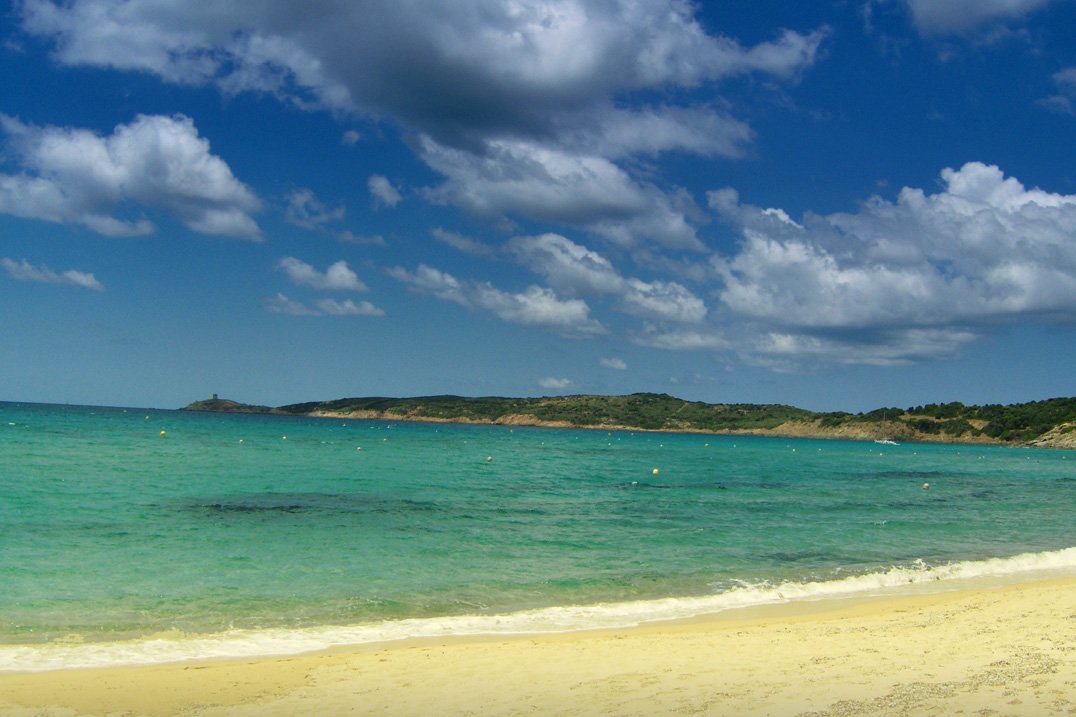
<point>1049,423</point>
<point>646,411</point>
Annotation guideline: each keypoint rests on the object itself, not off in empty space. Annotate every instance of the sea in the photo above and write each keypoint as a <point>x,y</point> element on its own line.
<point>136,536</point>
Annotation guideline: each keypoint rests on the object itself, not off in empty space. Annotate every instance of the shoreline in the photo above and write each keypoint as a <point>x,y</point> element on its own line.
<point>791,430</point>
<point>1047,424</point>
<point>1061,438</point>
<point>171,646</point>
<point>795,430</point>
<point>1006,648</point>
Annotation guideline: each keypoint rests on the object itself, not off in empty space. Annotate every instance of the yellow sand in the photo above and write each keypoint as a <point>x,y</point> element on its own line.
<point>1000,651</point>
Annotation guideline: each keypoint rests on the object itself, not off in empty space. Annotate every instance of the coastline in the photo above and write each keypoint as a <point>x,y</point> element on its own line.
<point>736,420</point>
<point>861,432</point>
<point>1006,649</point>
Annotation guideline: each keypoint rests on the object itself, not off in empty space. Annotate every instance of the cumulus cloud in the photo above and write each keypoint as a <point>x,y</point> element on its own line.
<point>307,211</point>
<point>431,65</point>
<point>529,109</point>
<point>427,280</point>
<point>382,190</point>
<point>533,180</point>
<point>535,306</point>
<point>538,306</point>
<point>901,281</point>
<point>281,304</point>
<point>614,363</point>
<point>940,17</point>
<point>662,300</point>
<point>74,176</point>
<point>577,271</point>
<point>555,384</point>
<point>25,271</point>
<point>337,277</point>
<point>567,266</point>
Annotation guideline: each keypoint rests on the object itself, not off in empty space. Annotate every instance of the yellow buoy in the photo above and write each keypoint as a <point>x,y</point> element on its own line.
<point>655,472</point>
<point>162,434</point>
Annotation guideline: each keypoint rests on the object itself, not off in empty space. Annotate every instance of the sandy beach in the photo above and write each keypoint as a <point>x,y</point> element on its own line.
<point>998,651</point>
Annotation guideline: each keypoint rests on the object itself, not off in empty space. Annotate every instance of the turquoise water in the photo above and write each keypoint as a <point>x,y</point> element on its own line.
<point>247,525</point>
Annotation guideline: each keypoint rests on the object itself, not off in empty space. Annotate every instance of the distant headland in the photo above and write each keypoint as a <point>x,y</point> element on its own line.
<point>1050,423</point>
<point>223,405</point>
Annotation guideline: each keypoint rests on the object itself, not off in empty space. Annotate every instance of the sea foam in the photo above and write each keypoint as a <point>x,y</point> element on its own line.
<point>250,643</point>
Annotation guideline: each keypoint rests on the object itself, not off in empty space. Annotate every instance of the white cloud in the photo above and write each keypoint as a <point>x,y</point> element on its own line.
<point>535,306</point>
<point>567,266</point>
<point>517,177</point>
<point>665,300</point>
<point>384,193</point>
<point>351,138</point>
<point>538,306</point>
<point>575,270</point>
<point>25,271</point>
<point>555,384</point>
<point>307,211</point>
<point>790,352</point>
<point>348,307</point>
<point>74,176</point>
<point>1065,81</point>
<point>616,133</point>
<point>337,277</point>
<point>281,304</point>
<point>614,363</point>
<point>518,62</point>
<point>680,339</point>
<point>349,237</point>
<point>520,105</point>
<point>521,178</point>
<point>939,17</point>
<point>461,243</point>
<point>905,280</point>
<point>427,280</point>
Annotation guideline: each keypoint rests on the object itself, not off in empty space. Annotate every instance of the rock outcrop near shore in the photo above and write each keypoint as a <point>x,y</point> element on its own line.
<point>223,405</point>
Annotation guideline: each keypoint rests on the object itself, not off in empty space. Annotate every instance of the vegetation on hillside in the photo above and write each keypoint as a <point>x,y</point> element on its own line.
<point>657,411</point>
<point>650,411</point>
<point>224,405</point>
<point>1012,423</point>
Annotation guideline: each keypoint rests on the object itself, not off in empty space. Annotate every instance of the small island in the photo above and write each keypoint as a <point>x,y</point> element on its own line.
<point>1049,423</point>
<point>215,404</point>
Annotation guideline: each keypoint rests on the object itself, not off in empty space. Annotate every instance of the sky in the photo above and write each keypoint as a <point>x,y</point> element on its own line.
<point>835,205</point>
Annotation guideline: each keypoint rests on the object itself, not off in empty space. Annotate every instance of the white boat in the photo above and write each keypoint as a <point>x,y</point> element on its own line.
<point>885,441</point>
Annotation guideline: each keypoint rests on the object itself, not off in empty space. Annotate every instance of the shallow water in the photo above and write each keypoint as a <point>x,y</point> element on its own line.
<point>111,531</point>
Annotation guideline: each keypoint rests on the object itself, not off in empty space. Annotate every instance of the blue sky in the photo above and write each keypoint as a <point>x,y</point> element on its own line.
<point>840,205</point>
